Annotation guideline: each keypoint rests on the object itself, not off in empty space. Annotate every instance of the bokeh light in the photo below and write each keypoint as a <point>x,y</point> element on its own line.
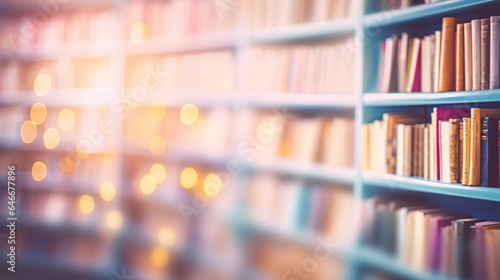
<point>66,119</point>
<point>86,204</point>
<point>166,236</point>
<point>39,171</point>
<point>139,33</point>
<point>159,256</point>
<point>188,177</point>
<point>157,145</point>
<point>189,114</point>
<point>156,112</point>
<point>158,173</point>
<point>212,185</point>
<point>107,190</point>
<point>38,113</point>
<point>51,138</point>
<point>28,132</point>
<point>147,184</point>
<point>66,166</point>
<point>114,219</point>
<point>42,84</point>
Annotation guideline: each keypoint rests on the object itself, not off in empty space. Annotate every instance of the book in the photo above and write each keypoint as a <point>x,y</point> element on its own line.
<point>404,151</point>
<point>414,66</point>
<point>454,150</point>
<point>476,54</point>
<point>494,52</point>
<point>437,60</point>
<point>459,59</point>
<point>485,53</point>
<point>403,47</point>
<point>444,139</point>
<point>439,115</point>
<point>468,55</point>
<point>446,63</point>
<point>389,80</point>
<point>463,253</point>
<point>475,146</point>
<point>460,149</point>
<point>426,65</point>
<point>466,151</point>
<point>489,152</point>
<point>426,151</point>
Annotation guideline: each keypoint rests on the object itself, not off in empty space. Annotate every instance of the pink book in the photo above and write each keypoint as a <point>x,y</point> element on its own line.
<point>416,87</point>
<point>445,114</point>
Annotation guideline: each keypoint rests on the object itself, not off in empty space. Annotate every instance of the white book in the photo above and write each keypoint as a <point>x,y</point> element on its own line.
<point>433,149</point>
<point>403,47</point>
<point>468,55</point>
<point>425,75</point>
<point>445,151</point>
<point>437,58</point>
<point>389,64</point>
<point>476,54</point>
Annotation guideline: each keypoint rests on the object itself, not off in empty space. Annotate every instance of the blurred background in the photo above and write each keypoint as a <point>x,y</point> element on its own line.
<point>154,139</point>
<point>186,139</point>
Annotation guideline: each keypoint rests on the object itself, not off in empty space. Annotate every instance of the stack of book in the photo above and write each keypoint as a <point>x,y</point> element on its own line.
<point>303,68</point>
<point>306,139</point>
<point>434,239</point>
<point>458,145</point>
<point>464,55</point>
<point>177,72</point>
<point>277,13</point>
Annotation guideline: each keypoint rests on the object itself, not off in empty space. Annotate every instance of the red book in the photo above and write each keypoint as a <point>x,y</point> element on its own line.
<point>445,114</point>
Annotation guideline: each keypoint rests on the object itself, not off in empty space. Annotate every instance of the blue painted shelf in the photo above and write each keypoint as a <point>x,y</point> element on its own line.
<point>301,101</point>
<point>304,31</point>
<point>393,17</point>
<point>421,185</point>
<point>415,99</point>
<point>375,258</point>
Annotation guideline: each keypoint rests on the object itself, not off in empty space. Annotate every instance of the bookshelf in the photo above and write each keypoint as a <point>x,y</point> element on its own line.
<point>364,105</point>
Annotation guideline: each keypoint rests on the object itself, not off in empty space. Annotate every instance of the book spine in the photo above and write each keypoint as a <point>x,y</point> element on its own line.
<point>415,148</point>
<point>459,59</point>
<point>475,150</point>
<point>476,54</point>
<point>407,154</point>
<point>484,151</point>
<point>468,55</point>
<point>494,52</point>
<point>400,132</point>
<point>437,60</point>
<point>466,152</point>
<point>426,152</point>
<point>447,75</point>
<point>485,53</point>
<point>453,151</point>
<point>460,149</point>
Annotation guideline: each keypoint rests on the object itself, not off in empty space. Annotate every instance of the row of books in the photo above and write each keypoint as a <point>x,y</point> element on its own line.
<point>326,140</point>
<point>434,239</point>
<point>276,203</point>
<point>278,13</point>
<point>178,72</point>
<point>61,74</point>
<point>384,5</point>
<point>459,145</point>
<point>63,31</point>
<point>323,68</point>
<point>179,18</point>
<point>462,56</point>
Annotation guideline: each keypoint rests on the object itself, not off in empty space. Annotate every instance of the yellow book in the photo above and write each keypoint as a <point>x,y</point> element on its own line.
<point>466,152</point>
<point>475,142</point>
<point>454,150</point>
